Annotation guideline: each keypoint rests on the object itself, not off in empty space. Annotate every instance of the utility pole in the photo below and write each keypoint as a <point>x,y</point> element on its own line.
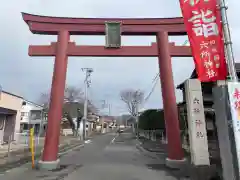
<point>228,42</point>
<point>137,103</point>
<point>109,109</point>
<point>137,119</point>
<point>87,83</point>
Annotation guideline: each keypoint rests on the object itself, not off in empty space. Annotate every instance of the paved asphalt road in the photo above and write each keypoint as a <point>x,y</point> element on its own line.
<point>106,157</point>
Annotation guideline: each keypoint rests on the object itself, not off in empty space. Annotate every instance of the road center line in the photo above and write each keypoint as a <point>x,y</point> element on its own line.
<point>112,141</point>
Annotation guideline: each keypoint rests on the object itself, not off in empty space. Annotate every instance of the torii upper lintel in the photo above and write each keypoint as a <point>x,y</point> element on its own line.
<point>96,26</point>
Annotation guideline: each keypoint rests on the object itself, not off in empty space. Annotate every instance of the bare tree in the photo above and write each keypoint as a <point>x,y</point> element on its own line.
<point>92,107</point>
<point>132,98</point>
<point>73,94</point>
<point>44,100</point>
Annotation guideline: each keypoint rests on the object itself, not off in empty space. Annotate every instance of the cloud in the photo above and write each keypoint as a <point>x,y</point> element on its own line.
<point>29,76</point>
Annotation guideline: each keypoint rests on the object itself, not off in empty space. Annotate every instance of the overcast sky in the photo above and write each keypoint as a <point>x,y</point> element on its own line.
<point>29,76</point>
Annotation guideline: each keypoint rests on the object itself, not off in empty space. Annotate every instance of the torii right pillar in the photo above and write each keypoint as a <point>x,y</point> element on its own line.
<point>175,152</point>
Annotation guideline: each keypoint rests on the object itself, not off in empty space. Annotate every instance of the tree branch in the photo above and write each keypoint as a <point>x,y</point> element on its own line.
<point>132,98</point>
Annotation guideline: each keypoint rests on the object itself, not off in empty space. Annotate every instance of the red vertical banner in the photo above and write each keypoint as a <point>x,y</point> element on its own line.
<point>202,19</point>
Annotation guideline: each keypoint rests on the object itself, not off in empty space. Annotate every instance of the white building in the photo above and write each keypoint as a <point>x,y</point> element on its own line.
<point>10,108</point>
<point>32,116</point>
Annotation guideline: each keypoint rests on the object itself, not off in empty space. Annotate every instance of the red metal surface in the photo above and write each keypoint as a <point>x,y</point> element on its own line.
<point>69,20</point>
<point>50,152</point>
<point>99,51</point>
<point>95,26</point>
<point>175,151</point>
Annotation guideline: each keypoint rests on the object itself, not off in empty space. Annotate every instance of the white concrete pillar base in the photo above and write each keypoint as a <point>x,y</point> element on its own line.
<point>176,164</point>
<point>48,165</point>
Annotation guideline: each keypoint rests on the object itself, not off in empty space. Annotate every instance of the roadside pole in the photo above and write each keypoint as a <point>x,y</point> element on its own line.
<point>87,83</point>
<point>137,120</point>
<point>41,126</point>
<point>225,113</point>
<point>228,42</point>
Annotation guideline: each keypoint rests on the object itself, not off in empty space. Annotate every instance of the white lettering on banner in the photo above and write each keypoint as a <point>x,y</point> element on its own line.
<point>204,23</point>
<point>211,73</point>
<point>212,42</point>
<point>216,58</point>
<point>205,54</point>
<point>206,48</point>
<point>204,44</point>
<point>196,123</point>
<point>214,50</point>
<point>208,64</point>
<point>194,2</point>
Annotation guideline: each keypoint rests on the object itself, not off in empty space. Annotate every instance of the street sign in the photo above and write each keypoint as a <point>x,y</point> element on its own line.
<point>113,34</point>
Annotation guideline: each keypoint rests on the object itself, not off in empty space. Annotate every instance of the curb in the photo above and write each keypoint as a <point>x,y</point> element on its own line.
<point>146,152</point>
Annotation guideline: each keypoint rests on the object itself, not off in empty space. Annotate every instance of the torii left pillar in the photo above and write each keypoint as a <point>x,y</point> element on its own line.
<point>50,159</point>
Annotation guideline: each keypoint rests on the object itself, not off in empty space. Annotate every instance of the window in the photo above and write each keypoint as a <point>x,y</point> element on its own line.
<point>24,114</point>
<point>35,114</point>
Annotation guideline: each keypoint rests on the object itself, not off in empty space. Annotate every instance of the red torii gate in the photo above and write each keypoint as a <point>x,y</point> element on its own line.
<point>64,27</point>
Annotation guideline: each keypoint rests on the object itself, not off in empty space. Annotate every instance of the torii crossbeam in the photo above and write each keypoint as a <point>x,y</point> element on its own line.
<point>99,51</point>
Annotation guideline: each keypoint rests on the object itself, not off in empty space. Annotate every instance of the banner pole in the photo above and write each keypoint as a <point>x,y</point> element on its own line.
<point>228,42</point>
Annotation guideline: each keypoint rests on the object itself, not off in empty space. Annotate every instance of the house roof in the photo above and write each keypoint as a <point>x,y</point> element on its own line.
<point>11,94</point>
<point>7,111</point>
<point>33,103</point>
<point>194,75</point>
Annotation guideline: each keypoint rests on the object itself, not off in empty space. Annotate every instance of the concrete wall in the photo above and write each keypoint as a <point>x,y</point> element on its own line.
<point>10,101</point>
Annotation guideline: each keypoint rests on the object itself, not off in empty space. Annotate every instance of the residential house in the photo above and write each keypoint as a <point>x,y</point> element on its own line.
<point>106,122</point>
<point>10,113</point>
<point>32,115</point>
<point>75,110</point>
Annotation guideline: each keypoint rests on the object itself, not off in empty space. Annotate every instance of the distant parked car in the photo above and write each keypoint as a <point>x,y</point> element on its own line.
<point>121,126</point>
<point>120,130</point>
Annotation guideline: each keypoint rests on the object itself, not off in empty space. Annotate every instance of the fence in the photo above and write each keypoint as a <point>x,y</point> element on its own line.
<point>24,138</point>
<point>153,135</point>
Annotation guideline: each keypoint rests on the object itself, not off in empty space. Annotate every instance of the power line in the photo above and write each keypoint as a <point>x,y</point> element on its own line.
<point>156,77</point>
<point>151,91</point>
<point>185,43</point>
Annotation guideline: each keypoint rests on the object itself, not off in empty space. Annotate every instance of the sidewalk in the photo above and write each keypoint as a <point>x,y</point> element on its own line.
<point>26,172</point>
<point>20,153</point>
<point>18,147</point>
<point>157,149</point>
